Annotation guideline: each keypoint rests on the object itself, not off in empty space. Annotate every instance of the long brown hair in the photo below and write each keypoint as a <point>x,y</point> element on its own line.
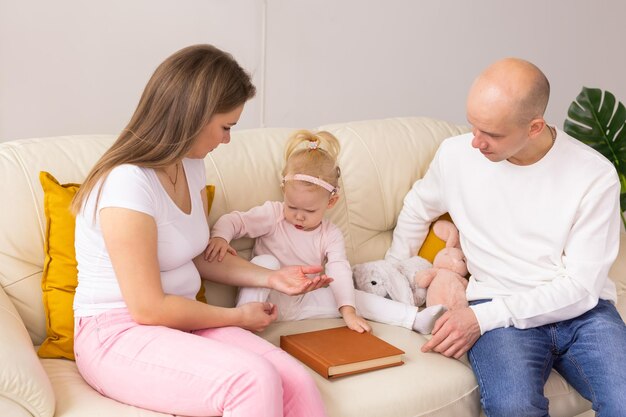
<point>181,97</point>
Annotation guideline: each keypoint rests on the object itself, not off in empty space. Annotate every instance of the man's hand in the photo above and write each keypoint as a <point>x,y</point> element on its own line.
<point>293,280</point>
<point>455,332</point>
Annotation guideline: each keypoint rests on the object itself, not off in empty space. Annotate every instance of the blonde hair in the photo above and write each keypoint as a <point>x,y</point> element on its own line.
<point>180,98</point>
<point>318,158</point>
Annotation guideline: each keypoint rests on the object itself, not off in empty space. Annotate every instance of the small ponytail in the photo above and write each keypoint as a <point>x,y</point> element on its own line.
<point>313,154</point>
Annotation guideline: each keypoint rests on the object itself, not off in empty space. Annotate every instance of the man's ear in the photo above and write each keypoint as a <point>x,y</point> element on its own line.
<point>536,127</point>
<point>333,200</point>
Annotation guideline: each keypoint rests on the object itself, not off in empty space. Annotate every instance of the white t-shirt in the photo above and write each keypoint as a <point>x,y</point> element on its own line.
<point>180,237</point>
<point>539,239</point>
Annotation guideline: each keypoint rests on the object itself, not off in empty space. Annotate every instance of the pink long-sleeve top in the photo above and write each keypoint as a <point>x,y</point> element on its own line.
<point>275,236</point>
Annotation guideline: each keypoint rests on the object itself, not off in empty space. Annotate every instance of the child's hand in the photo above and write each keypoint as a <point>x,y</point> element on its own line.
<point>217,248</point>
<point>354,321</point>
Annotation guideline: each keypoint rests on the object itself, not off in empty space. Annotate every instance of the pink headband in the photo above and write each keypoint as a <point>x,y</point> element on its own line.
<point>313,180</point>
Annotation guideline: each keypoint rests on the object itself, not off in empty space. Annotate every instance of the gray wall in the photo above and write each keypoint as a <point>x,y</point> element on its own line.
<point>79,66</point>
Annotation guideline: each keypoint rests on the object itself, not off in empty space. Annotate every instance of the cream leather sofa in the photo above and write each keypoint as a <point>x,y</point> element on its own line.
<point>380,160</point>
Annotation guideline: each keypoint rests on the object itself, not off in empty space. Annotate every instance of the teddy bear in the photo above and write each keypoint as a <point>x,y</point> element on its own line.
<point>416,281</point>
<point>445,281</point>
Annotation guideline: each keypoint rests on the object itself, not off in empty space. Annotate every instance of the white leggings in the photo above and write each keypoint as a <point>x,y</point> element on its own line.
<point>321,303</point>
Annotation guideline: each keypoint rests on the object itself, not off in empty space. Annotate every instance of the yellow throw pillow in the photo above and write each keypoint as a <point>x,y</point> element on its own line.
<point>210,195</point>
<point>59,278</point>
<point>59,270</point>
<point>432,244</point>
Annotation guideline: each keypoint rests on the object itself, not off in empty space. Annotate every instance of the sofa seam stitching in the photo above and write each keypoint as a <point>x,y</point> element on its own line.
<point>378,181</point>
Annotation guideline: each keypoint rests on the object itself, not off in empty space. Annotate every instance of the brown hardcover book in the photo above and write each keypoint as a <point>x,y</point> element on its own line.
<point>340,351</point>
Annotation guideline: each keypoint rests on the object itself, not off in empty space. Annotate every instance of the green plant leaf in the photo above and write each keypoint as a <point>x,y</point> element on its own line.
<point>596,120</point>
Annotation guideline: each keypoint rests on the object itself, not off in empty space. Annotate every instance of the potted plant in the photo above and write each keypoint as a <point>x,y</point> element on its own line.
<point>595,119</point>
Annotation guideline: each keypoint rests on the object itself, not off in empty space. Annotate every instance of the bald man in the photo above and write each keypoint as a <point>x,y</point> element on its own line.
<point>538,214</point>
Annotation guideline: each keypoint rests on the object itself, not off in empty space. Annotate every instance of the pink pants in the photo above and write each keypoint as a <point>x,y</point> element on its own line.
<point>225,371</point>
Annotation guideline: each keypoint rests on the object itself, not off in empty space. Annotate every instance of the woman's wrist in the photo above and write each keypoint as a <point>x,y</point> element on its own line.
<point>235,316</point>
<point>268,278</point>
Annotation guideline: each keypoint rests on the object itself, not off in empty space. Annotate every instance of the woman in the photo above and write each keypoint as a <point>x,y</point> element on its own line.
<point>141,337</point>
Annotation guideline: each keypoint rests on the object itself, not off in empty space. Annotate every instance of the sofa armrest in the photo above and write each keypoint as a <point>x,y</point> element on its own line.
<point>618,275</point>
<point>24,385</point>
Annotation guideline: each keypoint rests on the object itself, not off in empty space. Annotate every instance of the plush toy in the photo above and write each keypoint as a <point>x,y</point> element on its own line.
<point>445,281</point>
<point>416,281</point>
<point>384,279</point>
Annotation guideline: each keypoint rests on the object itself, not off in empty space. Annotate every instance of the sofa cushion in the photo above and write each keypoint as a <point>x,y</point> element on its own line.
<point>59,277</point>
<point>74,398</point>
<point>428,384</point>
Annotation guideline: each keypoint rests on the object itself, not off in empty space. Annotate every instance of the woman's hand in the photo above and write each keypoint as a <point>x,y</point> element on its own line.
<point>257,316</point>
<point>293,280</point>
<point>218,247</point>
<point>233,270</point>
<point>353,320</point>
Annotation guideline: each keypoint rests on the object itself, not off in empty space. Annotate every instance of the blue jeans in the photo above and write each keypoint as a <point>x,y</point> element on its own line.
<point>589,351</point>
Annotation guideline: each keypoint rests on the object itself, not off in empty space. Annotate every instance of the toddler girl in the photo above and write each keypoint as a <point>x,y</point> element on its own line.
<point>295,232</point>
